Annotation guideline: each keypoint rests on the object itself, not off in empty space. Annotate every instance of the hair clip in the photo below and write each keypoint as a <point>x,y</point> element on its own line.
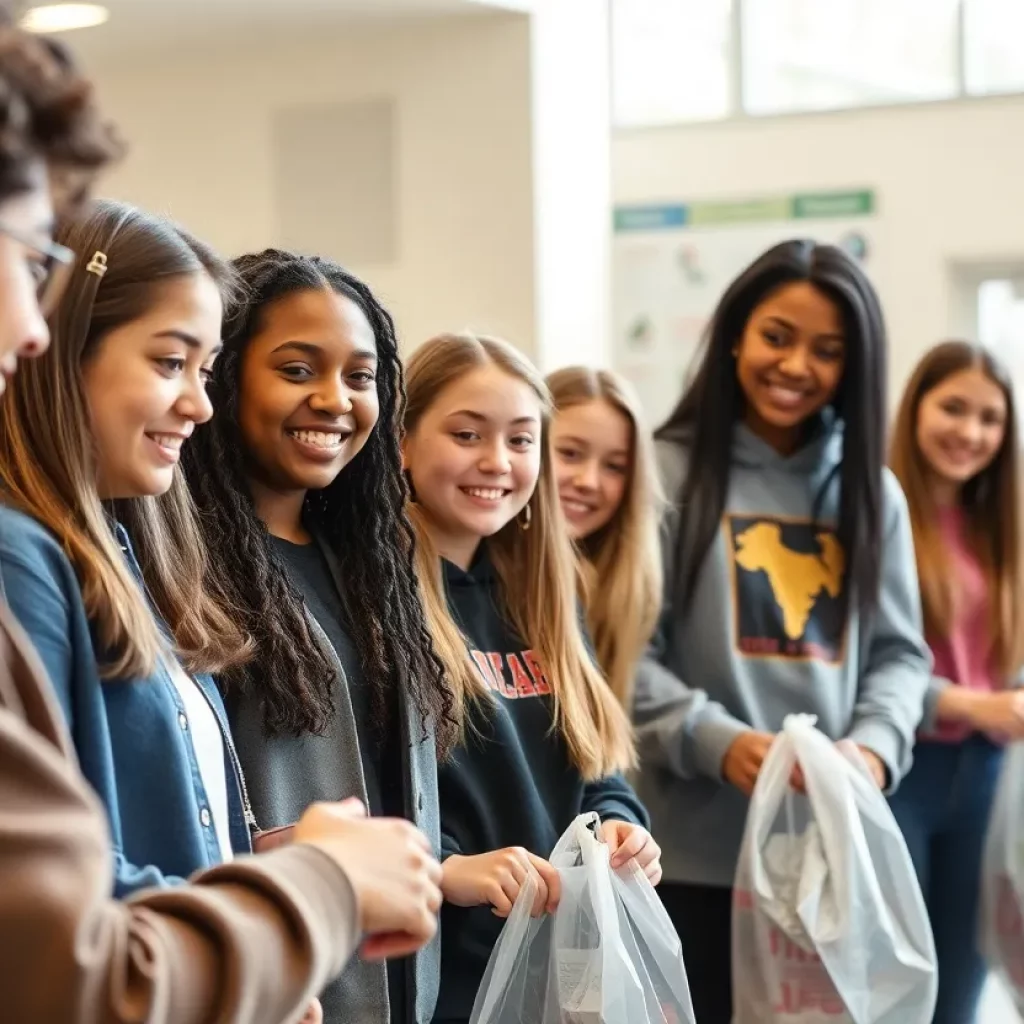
<point>98,264</point>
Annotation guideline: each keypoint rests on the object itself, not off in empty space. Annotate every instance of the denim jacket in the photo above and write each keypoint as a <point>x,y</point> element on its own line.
<point>132,736</point>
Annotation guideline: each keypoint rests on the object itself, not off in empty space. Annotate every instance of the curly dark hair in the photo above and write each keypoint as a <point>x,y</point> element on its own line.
<point>48,114</point>
<point>361,515</point>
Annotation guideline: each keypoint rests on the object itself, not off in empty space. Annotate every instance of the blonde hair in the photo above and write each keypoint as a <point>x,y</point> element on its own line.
<point>991,502</point>
<point>625,554</point>
<point>536,569</point>
<point>48,467</point>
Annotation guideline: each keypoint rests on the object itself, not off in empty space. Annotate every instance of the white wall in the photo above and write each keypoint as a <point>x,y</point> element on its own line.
<point>572,181</point>
<point>199,124</point>
<point>949,181</point>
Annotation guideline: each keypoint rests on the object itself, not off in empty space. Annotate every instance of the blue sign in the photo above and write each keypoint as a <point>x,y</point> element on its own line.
<point>651,218</point>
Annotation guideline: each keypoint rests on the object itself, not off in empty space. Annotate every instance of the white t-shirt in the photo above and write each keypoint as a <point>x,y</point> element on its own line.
<point>208,743</point>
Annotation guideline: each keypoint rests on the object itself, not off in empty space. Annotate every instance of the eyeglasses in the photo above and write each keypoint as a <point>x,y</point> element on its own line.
<point>51,273</point>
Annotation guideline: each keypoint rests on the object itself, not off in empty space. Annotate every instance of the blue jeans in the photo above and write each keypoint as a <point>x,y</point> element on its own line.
<point>943,807</point>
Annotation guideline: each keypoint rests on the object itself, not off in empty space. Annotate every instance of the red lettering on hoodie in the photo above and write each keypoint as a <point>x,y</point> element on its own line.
<point>540,680</point>
<point>484,666</point>
<point>520,678</point>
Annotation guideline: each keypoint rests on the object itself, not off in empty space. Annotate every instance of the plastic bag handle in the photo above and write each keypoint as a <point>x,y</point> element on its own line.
<point>600,878</point>
<point>511,942</point>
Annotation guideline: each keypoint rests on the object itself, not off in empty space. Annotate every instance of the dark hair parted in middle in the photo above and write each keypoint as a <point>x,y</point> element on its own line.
<point>709,409</point>
<point>360,515</point>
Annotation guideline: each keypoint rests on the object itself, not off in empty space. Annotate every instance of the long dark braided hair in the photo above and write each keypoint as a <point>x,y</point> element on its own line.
<point>360,515</point>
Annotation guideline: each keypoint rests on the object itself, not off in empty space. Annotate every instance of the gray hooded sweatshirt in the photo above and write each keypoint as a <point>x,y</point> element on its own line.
<point>763,638</point>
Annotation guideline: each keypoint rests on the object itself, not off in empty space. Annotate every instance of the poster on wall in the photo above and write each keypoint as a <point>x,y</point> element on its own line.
<point>672,262</point>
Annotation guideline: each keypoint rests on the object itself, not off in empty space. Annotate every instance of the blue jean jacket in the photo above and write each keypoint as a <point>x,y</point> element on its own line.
<point>132,737</point>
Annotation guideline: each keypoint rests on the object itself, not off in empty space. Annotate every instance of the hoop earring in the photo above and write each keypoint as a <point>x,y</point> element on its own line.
<point>525,518</point>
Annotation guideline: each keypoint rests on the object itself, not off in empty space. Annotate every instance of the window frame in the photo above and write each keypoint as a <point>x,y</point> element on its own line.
<point>736,72</point>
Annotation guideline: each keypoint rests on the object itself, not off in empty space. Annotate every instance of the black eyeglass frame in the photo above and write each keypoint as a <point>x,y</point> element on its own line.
<point>57,268</point>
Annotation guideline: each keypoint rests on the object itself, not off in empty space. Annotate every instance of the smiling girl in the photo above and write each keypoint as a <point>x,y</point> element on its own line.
<point>542,737</point>
<point>792,585</point>
<point>298,478</point>
<point>604,463</point>
<point>248,941</point>
<point>955,452</point>
<point>99,552</point>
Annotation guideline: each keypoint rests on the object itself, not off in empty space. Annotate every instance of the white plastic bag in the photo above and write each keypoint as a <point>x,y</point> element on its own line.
<point>829,924</point>
<point>607,955</point>
<point>1002,879</point>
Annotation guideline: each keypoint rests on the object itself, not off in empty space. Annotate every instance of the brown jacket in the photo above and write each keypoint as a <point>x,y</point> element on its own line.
<point>248,943</point>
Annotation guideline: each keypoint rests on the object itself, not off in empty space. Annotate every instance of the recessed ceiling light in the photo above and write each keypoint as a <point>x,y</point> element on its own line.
<point>63,17</point>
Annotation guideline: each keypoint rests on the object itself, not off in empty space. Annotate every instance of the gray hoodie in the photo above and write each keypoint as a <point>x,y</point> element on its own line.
<point>763,638</point>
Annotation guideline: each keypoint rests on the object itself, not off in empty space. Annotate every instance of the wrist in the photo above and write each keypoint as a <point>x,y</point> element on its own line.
<point>876,766</point>
<point>959,704</point>
<point>450,863</point>
<point>450,875</point>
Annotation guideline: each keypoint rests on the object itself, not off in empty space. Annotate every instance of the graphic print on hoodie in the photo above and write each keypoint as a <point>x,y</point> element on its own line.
<point>762,639</point>
<point>512,675</point>
<point>788,579</point>
<point>511,781</point>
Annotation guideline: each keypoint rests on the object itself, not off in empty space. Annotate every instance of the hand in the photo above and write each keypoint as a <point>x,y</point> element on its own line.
<point>1001,713</point>
<point>314,1013</point>
<point>742,762</point>
<point>394,875</point>
<point>627,842</point>
<point>496,878</point>
<point>874,763</point>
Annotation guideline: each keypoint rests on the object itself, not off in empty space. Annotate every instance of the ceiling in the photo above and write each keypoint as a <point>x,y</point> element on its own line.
<point>145,25</point>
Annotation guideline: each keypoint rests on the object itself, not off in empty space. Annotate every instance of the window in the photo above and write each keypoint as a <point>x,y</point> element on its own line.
<point>670,60</point>
<point>814,55</point>
<point>698,60</point>
<point>1001,320</point>
<point>988,305</point>
<point>993,46</point>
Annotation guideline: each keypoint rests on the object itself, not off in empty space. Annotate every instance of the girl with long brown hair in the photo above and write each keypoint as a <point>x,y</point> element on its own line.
<point>100,554</point>
<point>955,451</point>
<point>248,942</point>
<point>607,484</point>
<point>542,737</point>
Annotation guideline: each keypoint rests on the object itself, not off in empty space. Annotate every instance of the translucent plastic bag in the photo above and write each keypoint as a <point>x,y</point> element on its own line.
<point>607,955</point>
<point>829,924</point>
<point>1002,879</point>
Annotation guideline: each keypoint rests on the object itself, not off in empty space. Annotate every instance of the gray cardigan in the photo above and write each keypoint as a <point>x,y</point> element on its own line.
<point>285,774</point>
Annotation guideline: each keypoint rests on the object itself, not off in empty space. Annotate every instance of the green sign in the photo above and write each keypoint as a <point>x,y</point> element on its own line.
<point>819,205</point>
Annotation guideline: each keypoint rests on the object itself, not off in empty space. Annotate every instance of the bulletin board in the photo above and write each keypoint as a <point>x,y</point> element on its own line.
<point>671,263</point>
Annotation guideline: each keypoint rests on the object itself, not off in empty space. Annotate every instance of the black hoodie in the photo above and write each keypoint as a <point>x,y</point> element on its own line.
<point>511,783</point>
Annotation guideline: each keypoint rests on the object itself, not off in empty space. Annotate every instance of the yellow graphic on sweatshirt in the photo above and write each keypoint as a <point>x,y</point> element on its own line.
<point>788,581</point>
<point>796,578</point>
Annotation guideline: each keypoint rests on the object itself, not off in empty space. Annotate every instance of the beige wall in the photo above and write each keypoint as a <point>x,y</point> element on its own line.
<point>199,124</point>
<point>949,180</point>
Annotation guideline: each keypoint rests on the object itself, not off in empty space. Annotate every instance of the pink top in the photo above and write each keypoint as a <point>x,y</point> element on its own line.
<point>963,657</point>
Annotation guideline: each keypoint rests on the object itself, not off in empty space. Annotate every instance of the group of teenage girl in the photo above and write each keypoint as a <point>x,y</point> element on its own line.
<point>264,565</point>
<point>275,577</point>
